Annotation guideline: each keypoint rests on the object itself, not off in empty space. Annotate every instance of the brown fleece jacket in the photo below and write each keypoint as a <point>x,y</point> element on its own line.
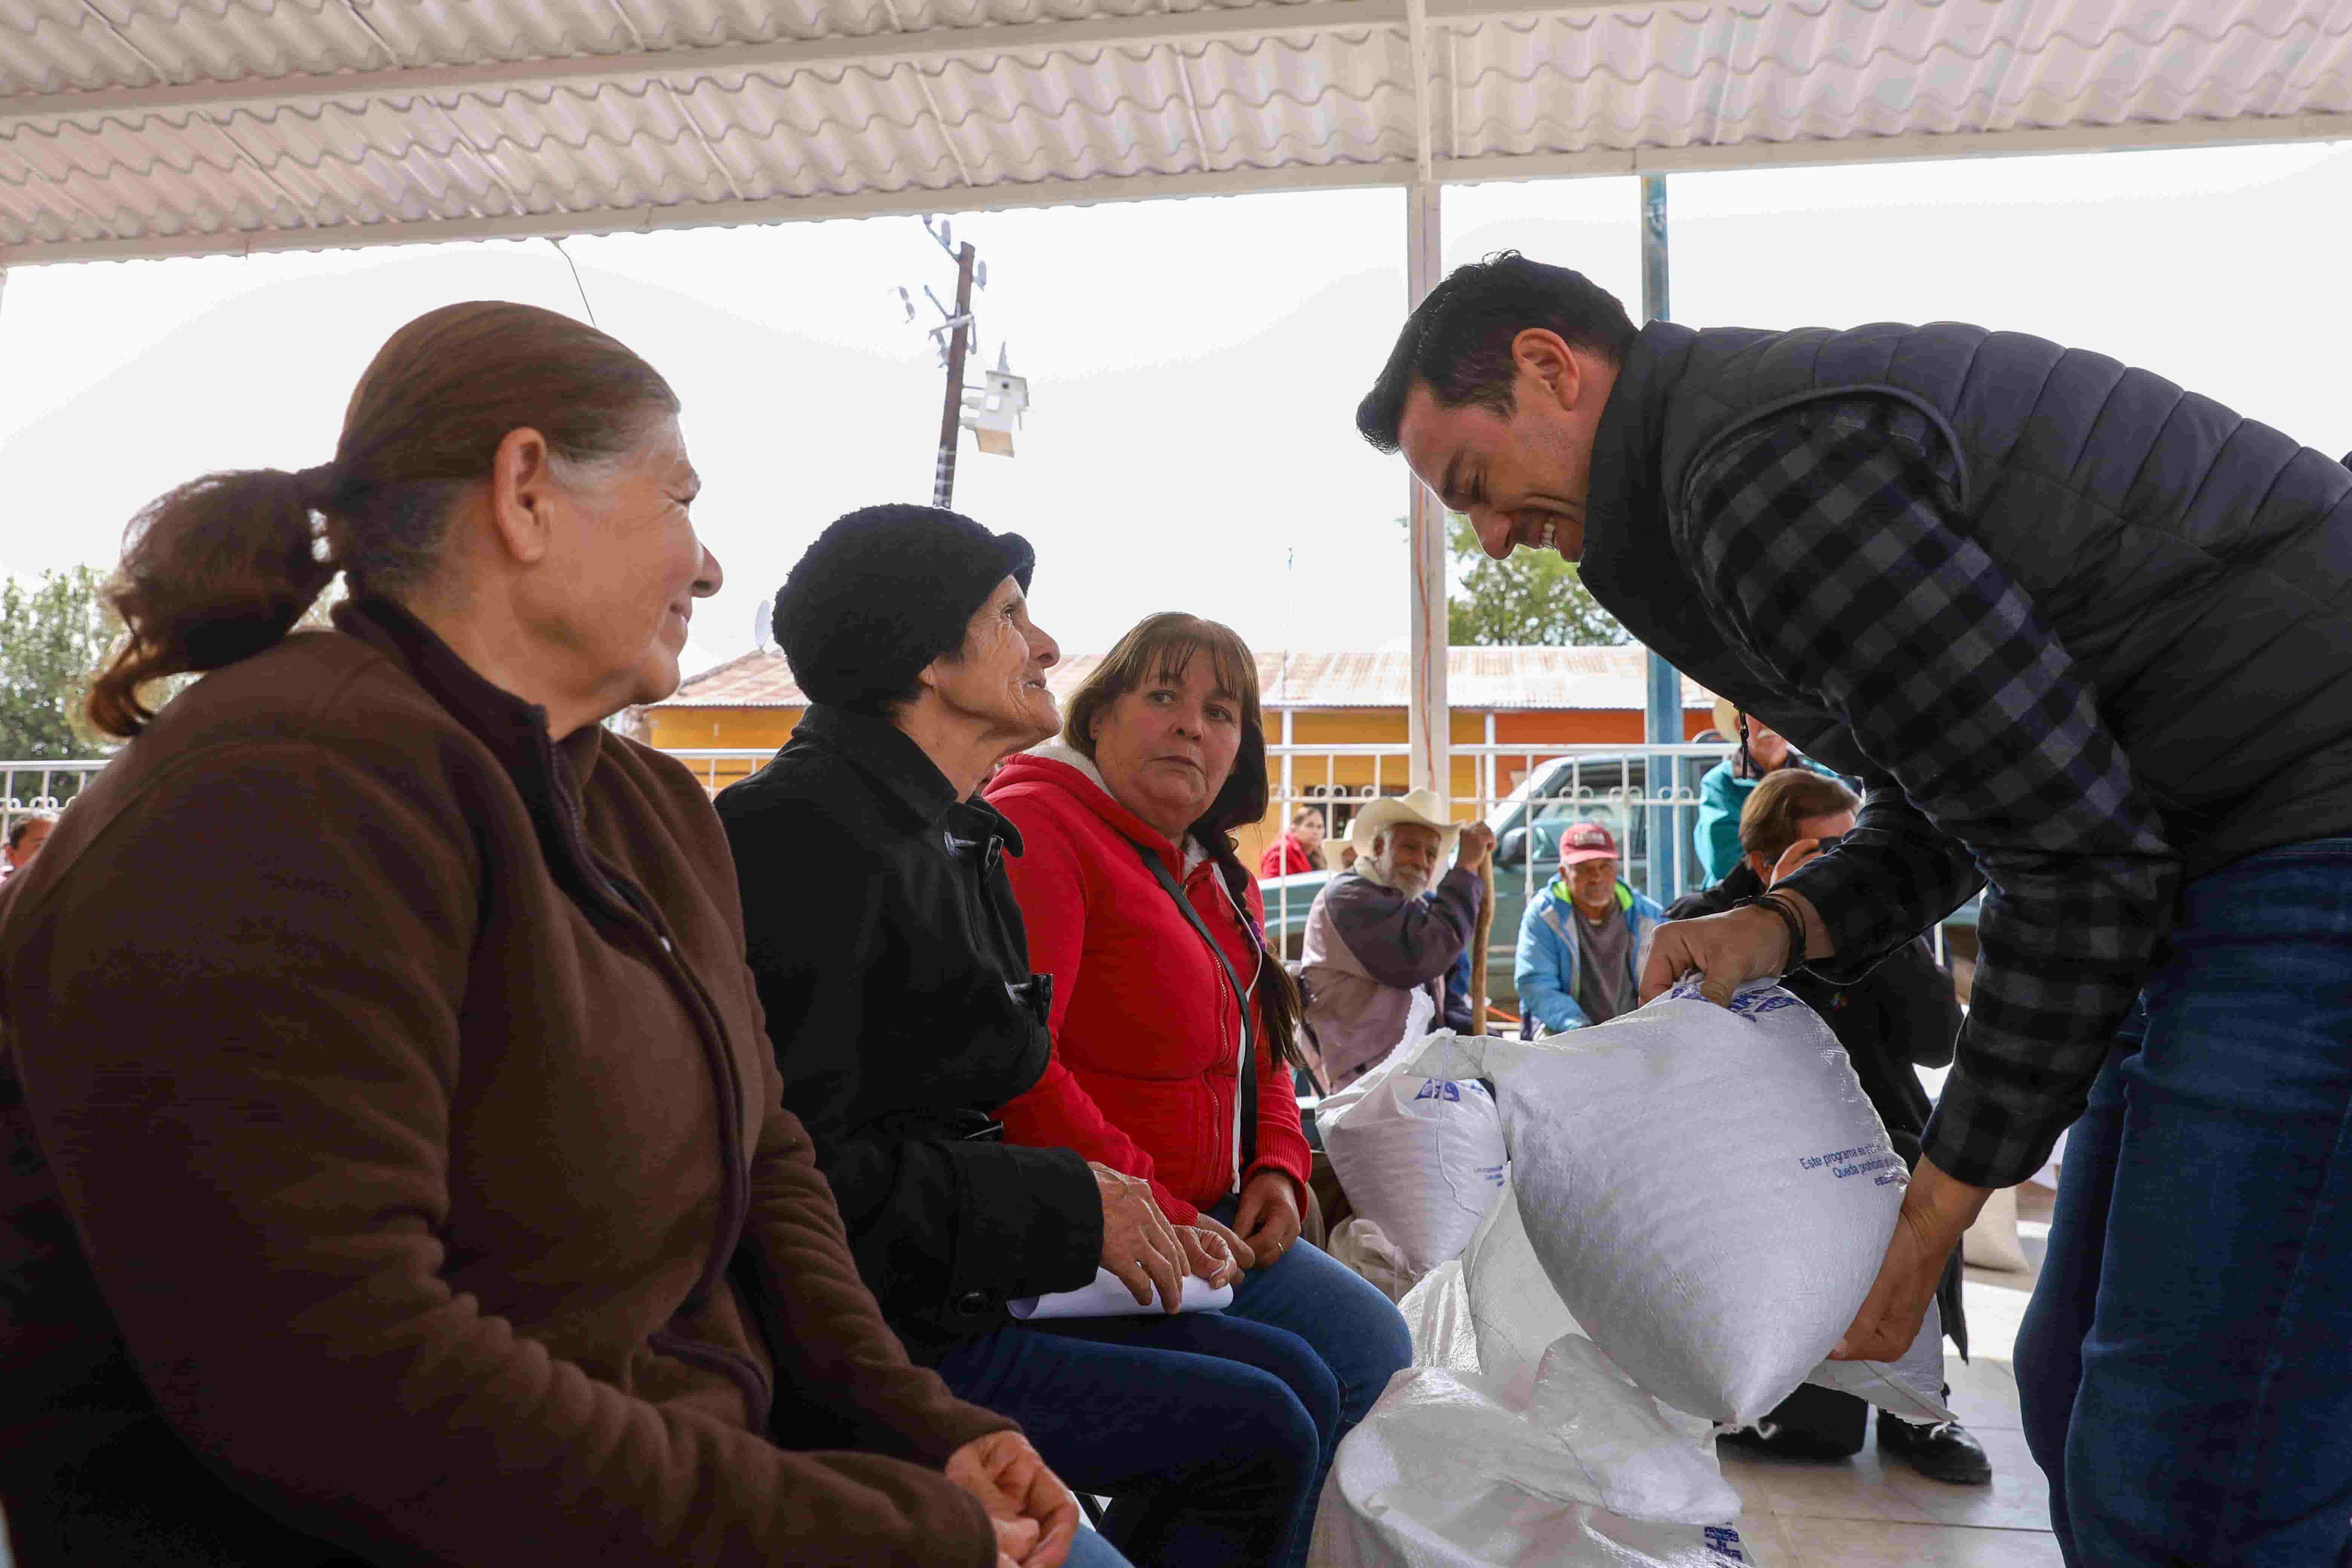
<point>390,1125</point>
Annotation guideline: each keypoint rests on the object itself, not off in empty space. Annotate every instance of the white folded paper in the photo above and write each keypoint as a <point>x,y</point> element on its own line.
<point>1106,1298</point>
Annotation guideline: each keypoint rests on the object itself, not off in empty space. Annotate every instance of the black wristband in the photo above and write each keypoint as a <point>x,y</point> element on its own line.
<point>1790,919</point>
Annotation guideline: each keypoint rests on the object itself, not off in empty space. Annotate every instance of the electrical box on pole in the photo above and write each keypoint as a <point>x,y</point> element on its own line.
<point>992,410</point>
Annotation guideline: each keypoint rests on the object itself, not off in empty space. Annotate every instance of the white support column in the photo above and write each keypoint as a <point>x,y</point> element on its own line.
<point>1427,718</point>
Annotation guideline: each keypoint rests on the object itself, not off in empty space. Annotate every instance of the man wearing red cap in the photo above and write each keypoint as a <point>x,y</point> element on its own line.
<point>1582,941</point>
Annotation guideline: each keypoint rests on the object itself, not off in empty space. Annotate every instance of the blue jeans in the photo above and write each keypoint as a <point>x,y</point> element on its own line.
<point>1089,1549</point>
<point>1357,1336</point>
<point>1212,1432</point>
<point>2186,1365</point>
<point>1187,1424</point>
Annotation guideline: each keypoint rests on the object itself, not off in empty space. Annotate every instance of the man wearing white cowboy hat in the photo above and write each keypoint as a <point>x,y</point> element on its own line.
<point>1374,939</point>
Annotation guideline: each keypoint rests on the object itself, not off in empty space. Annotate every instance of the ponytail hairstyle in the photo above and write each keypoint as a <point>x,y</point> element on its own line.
<point>1159,648</point>
<point>221,568</point>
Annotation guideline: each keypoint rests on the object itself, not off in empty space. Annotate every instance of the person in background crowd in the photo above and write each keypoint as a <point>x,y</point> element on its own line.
<point>1761,751</point>
<point>1900,1016</point>
<point>907,1015</point>
<point>2083,632</point>
<point>1172,1022</point>
<point>1580,940</point>
<point>402,1177</point>
<point>1300,850</point>
<point>25,835</point>
<point>1380,931</point>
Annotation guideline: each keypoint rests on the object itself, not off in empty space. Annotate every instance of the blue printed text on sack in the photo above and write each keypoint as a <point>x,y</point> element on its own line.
<point>1856,1161</point>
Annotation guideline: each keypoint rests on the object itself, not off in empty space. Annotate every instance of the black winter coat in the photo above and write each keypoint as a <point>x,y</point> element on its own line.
<point>894,972</point>
<point>1900,1016</point>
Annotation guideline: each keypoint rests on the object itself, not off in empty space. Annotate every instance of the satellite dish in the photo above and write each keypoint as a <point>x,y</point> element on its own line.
<point>762,625</point>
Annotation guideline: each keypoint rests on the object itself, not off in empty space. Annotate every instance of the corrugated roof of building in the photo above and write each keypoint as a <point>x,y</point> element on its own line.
<point>1497,678</point>
<point>165,127</point>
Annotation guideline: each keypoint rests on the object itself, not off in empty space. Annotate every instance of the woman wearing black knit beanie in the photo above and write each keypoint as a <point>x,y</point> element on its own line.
<point>894,971</point>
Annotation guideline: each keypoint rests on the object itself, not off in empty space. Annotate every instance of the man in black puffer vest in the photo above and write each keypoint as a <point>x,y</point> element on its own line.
<point>2087,638</point>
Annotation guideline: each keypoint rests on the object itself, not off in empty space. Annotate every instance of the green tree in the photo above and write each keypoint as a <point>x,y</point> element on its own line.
<point>1533,598</point>
<point>54,633</point>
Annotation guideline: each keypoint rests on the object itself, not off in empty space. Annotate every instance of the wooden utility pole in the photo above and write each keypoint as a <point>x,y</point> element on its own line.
<point>959,344</point>
<point>1482,932</point>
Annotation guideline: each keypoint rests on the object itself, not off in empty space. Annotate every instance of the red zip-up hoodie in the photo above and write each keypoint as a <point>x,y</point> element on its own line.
<point>1147,1030</point>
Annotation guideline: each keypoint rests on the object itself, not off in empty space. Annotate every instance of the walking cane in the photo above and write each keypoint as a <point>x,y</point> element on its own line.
<point>1484,929</point>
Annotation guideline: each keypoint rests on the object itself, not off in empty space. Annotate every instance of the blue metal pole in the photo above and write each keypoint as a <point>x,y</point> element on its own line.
<point>1661,709</point>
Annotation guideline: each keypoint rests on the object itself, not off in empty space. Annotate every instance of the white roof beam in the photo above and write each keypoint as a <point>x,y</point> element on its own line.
<point>1219,183</point>
<point>2035,141</point>
<point>878,52</point>
<point>1424,74</point>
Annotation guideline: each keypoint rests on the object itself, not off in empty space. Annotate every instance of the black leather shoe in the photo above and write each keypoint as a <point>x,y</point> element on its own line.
<point>1941,1452</point>
<point>1770,1437</point>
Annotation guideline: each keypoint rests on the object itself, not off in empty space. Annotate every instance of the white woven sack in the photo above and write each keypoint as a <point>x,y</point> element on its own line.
<point>1421,1158</point>
<point>1708,1188</point>
<point>1437,1315</point>
<point>1912,1387</point>
<point>1514,1308</point>
<point>1516,1316</point>
<point>1360,1245</point>
<point>1443,1474</point>
<point>1992,1242</point>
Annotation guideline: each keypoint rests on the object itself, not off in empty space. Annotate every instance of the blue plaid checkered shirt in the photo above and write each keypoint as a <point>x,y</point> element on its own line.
<point>1829,551</point>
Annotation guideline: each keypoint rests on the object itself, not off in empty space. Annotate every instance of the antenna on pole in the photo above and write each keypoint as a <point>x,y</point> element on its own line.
<point>990,411</point>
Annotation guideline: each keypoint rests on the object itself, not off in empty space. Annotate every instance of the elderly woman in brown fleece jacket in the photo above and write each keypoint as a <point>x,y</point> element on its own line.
<point>393,1164</point>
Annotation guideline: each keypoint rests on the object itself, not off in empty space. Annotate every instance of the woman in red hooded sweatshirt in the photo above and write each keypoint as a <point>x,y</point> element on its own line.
<point>1170,1021</point>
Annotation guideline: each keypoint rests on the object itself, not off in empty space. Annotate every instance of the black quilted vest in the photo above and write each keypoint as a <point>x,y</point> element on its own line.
<point>2195,566</point>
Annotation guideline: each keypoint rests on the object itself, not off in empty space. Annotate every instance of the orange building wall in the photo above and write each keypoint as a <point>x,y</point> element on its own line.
<point>686,728</point>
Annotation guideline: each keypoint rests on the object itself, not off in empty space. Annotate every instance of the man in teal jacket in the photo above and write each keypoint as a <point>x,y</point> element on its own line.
<point>1581,942</point>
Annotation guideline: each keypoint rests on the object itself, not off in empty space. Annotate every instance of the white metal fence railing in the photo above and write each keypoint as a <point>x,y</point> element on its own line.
<point>719,766</point>
<point>1642,794</point>
<point>41,786</point>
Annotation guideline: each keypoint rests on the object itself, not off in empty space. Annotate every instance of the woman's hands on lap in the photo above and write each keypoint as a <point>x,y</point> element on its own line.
<point>1035,1514</point>
<point>1210,1254</point>
<point>1243,1253</point>
<point>1139,1244</point>
<point>1268,1216</point>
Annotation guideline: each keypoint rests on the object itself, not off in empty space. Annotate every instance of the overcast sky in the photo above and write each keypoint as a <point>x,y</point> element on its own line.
<point>1193,365</point>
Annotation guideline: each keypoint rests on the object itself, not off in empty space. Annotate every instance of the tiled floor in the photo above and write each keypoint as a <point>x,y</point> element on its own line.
<point>1861,1514</point>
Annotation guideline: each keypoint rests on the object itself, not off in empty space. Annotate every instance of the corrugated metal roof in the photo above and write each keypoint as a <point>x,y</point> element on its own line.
<point>1477,679</point>
<point>158,127</point>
